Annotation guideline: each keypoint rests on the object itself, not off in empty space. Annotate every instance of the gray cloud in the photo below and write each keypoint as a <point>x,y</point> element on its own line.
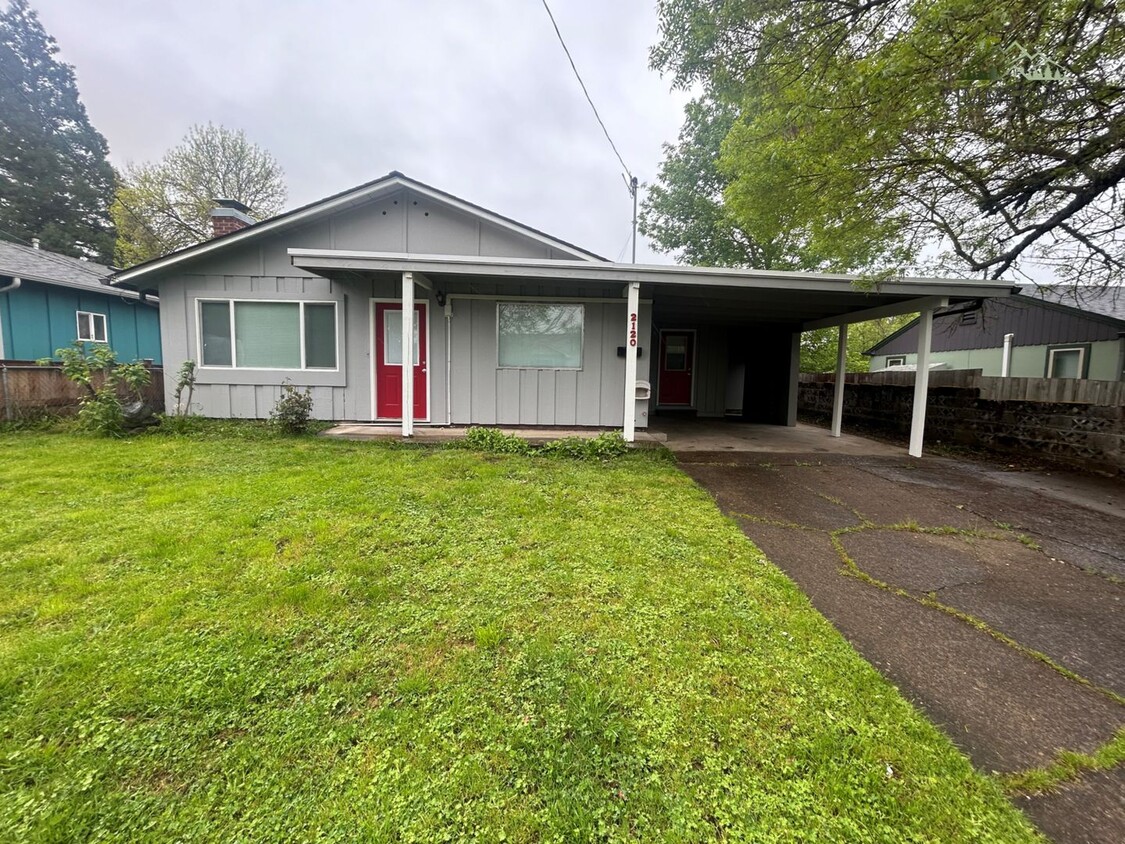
<point>474,97</point>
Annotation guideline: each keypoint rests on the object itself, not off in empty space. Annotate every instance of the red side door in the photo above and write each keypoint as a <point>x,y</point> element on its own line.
<point>388,362</point>
<point>677,360</point>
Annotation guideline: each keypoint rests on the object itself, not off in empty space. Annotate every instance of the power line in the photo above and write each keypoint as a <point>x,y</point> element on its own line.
<point>578,76</point>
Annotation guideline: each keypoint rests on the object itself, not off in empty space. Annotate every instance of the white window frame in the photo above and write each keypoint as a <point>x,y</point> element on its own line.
<point>90,319</point>
<point>896,360</point>
<point>231,302</point>
<point>581,342</point>
<point>1051,359</point>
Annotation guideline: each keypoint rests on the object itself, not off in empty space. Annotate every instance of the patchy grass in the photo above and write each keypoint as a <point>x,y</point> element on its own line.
<point>1067,766</point>
<point>233,637</point>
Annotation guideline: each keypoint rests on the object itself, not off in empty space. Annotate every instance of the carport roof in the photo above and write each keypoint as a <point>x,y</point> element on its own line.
<point>711,294</point>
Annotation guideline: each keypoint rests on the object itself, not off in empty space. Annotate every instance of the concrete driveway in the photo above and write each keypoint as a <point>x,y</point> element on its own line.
<point>994,600</point>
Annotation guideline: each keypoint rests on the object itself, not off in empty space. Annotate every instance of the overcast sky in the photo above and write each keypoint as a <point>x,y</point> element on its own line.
<point>472,96</point>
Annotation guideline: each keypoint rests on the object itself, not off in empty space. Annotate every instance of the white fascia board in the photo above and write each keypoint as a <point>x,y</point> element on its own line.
<point>655,274</point>
<point>328,206</point>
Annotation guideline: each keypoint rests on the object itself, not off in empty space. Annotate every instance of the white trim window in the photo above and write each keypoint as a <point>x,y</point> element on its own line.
<point>539,335</point>
<point>92,327</point>
<point>896,360</point>
<point>1066,362</point>
<point>268,334</point>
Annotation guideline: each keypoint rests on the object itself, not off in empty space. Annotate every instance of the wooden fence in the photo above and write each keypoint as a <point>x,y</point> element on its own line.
<point>28,390</point>
<point>1049,390</point>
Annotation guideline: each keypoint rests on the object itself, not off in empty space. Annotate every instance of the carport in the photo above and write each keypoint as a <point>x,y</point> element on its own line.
<point>743,326</point>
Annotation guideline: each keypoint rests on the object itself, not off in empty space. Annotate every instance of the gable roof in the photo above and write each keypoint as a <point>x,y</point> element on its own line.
<point>30,264</point>
<point>1092,302</point>
<point>370,190</point>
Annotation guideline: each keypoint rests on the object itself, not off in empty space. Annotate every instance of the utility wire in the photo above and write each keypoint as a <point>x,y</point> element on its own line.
<point>578,76</point>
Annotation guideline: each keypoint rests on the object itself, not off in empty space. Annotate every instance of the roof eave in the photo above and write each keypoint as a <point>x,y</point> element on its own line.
<point>327,260</point>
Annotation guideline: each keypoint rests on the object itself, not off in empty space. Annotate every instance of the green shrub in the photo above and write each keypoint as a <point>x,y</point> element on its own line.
<point>602,447</point>
<point>497,442</point>
<point>293,410</point>
<point>102,378</point>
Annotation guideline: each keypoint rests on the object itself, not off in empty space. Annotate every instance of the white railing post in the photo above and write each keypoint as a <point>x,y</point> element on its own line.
<point>841,369</point>
<point>921,381</point>
<point>632,338</point>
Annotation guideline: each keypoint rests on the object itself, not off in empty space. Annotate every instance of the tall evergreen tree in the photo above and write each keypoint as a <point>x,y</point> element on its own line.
<point>55,180</point>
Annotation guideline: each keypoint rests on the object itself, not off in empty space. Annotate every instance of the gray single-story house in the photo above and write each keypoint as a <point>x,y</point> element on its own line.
<point>1052,331</point>
<point>504,324</point>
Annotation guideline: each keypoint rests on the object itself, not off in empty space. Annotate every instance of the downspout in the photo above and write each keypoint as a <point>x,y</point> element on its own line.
<point>448,361</point>
<point>14,284</point>
<point>1006,359</point>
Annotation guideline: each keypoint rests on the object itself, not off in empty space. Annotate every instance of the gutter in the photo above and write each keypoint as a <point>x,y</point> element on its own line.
<point>14,284</point>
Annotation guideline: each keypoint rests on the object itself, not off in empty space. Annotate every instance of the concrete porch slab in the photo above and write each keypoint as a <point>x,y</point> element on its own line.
<point>717,435</point>
<point>437,435</point>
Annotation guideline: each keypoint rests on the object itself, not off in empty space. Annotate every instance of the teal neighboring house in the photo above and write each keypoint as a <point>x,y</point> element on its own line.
<point>48,301</point>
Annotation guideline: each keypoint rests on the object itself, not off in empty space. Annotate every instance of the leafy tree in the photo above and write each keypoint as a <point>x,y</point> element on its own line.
<point>818,348</point>
<point>166,206</point>
<point>995,130</point>
<point>57,181</point>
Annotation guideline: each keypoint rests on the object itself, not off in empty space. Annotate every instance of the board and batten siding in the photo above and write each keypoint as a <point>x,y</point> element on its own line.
<point>483,393</point>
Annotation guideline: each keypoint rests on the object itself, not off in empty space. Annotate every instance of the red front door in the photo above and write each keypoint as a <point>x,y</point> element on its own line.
<point>388,362</point>
<point>677,360</point>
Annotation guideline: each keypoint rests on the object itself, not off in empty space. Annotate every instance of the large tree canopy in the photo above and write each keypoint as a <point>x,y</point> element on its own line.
<point>995,131</point>
<point>55,180</point>
<point>166,206</point>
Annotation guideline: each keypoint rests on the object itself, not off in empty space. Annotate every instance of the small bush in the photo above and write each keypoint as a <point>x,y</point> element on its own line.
<point>102,378</point>
<point>602,447</point>
<point>293,410</point>
<point>497,442</point>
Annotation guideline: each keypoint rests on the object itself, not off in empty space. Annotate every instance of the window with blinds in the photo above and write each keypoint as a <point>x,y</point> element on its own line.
<point>531,335</point>
<point>263,334</point>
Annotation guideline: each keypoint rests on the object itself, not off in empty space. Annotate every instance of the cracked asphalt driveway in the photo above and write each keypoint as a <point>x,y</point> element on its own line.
<point>995,601</point>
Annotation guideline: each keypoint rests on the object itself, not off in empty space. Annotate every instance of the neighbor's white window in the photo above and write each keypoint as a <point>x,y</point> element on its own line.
<point>263,334</point>
<point>896,361</point>
<point>91,327</point>
<point>539,336</point>
<point>1066,363</point>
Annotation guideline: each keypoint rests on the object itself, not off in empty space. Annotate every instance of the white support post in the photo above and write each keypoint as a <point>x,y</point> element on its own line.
<point>408,354</point>
<point>632,337</point>
<point>841,369</point>
<point>921,381</point>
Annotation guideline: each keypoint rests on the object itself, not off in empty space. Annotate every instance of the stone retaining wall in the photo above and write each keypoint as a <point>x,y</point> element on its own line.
<point>1081,435</point>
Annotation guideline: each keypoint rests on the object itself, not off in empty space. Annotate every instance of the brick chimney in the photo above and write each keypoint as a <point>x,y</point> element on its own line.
<point>228,216</point>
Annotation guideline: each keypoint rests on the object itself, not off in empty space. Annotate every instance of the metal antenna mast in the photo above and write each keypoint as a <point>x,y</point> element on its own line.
<point>632,184</point>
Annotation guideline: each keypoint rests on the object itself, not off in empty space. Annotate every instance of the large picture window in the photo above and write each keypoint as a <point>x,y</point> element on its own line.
<point>263,334</point>
<point>532,335</point>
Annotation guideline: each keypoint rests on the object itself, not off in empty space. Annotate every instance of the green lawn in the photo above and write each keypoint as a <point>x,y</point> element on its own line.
<point>232,637</point>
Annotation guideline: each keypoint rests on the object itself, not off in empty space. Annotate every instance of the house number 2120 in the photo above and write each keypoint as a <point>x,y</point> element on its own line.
<point>632,329</point>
